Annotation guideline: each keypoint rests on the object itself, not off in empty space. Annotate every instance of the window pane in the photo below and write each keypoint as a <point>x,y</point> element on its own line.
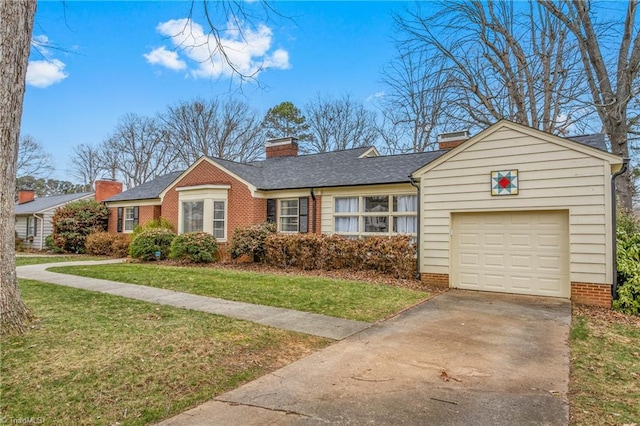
<point>346,205</point>
<point>376,224</point>
<point>346,224</point>
<point>192,216</point>
<point>405,203</point>
<point>405,225</point>
<point>289,208</point>
<point>289,224</point>
<point>376,204</point>
<point>218,220</point>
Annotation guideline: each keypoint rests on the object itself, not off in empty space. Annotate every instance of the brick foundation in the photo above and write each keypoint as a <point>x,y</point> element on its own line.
<point>591,294</point>
<point>435,280</point>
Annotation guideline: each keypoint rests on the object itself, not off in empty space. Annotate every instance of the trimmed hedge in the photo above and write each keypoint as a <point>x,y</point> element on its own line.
<point>145,245</point>
<point>106,244</point>
<point>390,255</point>
<point>195,247</point>
<point>250,240</point>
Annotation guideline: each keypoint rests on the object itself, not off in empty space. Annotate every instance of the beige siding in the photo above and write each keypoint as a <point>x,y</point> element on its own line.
<point>551,177</point>
<point>328,195</point>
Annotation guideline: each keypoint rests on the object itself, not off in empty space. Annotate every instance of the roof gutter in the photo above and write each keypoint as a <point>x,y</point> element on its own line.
<point>614,287</point>
<point>415,184</point>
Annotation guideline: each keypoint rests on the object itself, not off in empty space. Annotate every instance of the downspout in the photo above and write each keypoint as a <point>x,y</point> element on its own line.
<point>413,183</point>
<point>313,219</point>
<point>614,287</point>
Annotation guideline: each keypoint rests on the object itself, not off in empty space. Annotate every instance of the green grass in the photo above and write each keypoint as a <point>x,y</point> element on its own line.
<point>36,260</point>
<point>92,358</point>
<point>605,372</point>
<point>337,298</point>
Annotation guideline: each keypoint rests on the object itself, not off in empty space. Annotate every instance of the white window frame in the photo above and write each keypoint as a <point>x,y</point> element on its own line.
<point>184,218</point>
<point>126,219</point>
<point>208,194</point>
<point>391,214</point>
<point>223,220</point>
<point>282,216</point>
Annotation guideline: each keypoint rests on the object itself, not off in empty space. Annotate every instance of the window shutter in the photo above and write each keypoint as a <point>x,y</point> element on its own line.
<point>120,213</point>
<point>303,214</point>
<point>35,226</point>
<point>135,215</point>
<point>271,210</point>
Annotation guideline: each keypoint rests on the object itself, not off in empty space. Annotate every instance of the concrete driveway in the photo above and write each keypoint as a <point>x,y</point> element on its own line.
<point>462,358</point>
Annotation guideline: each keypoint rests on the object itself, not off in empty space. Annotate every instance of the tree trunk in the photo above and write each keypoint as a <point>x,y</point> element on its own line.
<point>16,27</point>
<point>618,132</point>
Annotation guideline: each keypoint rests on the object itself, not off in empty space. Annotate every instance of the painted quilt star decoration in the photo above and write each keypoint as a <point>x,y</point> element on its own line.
<point>504,182</point>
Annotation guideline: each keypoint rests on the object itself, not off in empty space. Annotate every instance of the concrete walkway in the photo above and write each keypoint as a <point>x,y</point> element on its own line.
<point>288,319</point>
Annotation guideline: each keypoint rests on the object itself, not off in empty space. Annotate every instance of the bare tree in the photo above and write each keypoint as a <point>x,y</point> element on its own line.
<point>228,130</point>
<point>338,124</point>
<point>139,150</point>
<point>502,60</point>
<point>612,78</point>
<point>16,27</point>
<point>413,105</point>
<point>32,159</point>
<point>87,164</point>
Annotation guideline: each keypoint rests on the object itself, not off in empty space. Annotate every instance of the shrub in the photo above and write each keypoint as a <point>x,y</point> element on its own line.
<point>390,255</point>
<point>628,258</point>
<point>75,221</point>
<point>250,240</point>
<point>160,223</point>
<point>106,244</point>
<point>120,245</point>
<point>145,245</point>
<point>19,244</point>
<point>50,244</point>
<point>99,243</point>
<point>196,247</point>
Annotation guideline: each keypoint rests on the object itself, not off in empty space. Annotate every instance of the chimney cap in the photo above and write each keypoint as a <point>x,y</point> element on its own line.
<point>282,141</point>
<point>454,136</point>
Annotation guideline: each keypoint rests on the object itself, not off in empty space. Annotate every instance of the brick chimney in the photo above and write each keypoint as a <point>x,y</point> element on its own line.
<point>282,147</point>
<point>26,196</point>
<point>107,188</point>
<point>452,140</point>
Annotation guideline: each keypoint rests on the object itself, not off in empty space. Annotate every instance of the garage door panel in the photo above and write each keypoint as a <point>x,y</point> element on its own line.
<point>515,252</point>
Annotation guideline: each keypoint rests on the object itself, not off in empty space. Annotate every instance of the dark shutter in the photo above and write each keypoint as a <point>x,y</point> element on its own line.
<point>271,210</point>
<point>120,213</point>
<point>35,226</point>
<point>135,215</point>
<point>303,214</point>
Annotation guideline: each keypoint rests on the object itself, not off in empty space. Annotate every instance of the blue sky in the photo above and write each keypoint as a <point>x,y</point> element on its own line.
<point>101,60</point>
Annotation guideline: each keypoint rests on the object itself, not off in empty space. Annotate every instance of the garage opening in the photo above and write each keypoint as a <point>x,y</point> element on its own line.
<point>512,252</point>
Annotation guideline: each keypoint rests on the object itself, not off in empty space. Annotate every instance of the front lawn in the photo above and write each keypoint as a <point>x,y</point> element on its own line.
<point>605,368</point>
<point>338,298</point>
<point>93,358</point>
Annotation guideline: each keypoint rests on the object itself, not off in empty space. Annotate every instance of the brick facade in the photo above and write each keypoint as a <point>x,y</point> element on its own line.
<point>106,189</point>
<point>591,294</point>
<point>435,280</point>
<point>242,208</point>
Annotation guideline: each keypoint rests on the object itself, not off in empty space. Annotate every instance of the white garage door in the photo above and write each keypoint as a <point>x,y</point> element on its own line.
<point>512,252</point>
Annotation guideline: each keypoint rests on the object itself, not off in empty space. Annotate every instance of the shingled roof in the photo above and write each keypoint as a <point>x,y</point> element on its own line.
<point>42,204</point>
<point>330,169</point>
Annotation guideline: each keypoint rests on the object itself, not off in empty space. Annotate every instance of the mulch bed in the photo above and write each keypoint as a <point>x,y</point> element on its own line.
<point>606,315</point>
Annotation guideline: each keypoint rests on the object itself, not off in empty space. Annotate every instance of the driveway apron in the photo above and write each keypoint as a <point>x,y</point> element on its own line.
<point>461,358</point>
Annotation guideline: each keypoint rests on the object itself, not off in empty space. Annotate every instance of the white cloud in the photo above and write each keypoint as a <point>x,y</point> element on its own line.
<point>44,73</point>
<point>166,58</point>
<point>375,96</point>
<point>246,48</point>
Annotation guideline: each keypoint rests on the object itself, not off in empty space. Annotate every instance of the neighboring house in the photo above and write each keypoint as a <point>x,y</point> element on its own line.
<point>511,209</point>
<point>33,215</point>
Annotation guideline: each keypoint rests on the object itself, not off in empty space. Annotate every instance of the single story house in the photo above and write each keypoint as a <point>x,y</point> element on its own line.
<point>33,215</point>
<point>511,209</point>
